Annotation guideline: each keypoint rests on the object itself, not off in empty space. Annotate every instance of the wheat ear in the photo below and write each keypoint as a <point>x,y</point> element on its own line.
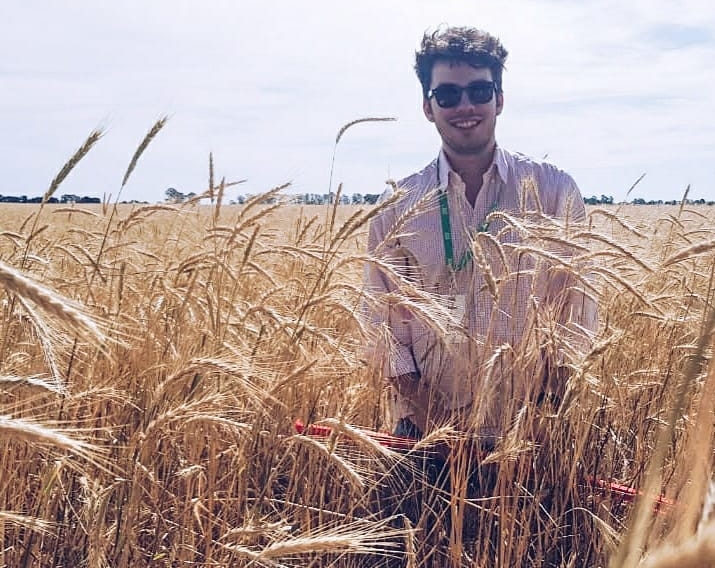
<point>49,301</point>
<point>690,252</point>
<point>211,177</point>
<point>352,123</point>
<point>33,433</point>
<point>143,146</point>
<point>219,200</point>
<point>351,475</point>
<point>81,152</point>
<point>30,523</point>
<point>12,382</point>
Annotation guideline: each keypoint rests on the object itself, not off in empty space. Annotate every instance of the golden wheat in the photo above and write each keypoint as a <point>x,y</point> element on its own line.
<point>227,323</point>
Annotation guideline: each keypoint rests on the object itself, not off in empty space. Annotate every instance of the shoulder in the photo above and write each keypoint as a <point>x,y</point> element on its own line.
<point>413,187</point>
<point>394,209</point>
<point>556,188</point>
<point>542,170</point>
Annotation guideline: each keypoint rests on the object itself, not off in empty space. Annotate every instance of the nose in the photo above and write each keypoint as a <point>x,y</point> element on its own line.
<point>464,100</point>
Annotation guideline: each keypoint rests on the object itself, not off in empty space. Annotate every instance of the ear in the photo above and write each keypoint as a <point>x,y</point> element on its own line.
<point>427,109</point>
<point>500,103</point>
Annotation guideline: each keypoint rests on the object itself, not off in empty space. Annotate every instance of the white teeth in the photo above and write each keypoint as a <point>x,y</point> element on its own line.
<point>466,124</point>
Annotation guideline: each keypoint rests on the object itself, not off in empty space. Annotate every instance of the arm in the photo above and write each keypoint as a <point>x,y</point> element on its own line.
<point>392,341</point>
<point>579,311</point>
<point>572,303</point>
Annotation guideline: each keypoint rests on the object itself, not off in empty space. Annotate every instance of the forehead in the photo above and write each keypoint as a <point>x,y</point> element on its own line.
<point>459,73</point>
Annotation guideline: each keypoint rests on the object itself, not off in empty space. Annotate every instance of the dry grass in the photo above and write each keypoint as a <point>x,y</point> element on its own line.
<point>153,360</point>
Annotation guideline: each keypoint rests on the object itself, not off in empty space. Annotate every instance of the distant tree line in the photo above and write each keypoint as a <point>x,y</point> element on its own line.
<point>603,200</point>
<point>329,199</point>
<point>173,195</point>
<point>608,200</point>
<point>371,199</point>
<point>641,201</point>
<point>67,198</point>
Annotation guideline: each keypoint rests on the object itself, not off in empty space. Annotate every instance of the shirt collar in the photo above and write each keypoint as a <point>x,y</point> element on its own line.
<point>499,163</point>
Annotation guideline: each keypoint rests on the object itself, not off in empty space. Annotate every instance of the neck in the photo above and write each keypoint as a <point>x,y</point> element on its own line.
<point>471,168</point>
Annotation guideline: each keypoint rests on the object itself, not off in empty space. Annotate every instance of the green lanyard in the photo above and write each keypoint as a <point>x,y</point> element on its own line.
<point>447,233</point>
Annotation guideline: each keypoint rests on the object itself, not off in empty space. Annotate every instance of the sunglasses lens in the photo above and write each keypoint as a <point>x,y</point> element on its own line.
<point>447,96</point>
<point>480,93</point>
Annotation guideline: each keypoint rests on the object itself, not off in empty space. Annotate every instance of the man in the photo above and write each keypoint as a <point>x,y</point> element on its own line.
<point>474,327</point>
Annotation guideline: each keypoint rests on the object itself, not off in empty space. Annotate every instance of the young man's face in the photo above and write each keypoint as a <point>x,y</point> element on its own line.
<point>466,128</point>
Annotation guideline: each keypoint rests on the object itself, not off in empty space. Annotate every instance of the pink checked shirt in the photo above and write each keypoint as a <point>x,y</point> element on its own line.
<point>478,341</point>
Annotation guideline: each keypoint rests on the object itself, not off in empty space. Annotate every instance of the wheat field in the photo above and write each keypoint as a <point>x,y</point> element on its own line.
<point>154,360</point>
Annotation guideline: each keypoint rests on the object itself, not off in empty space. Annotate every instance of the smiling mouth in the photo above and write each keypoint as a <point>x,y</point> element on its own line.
<point>465,124</point>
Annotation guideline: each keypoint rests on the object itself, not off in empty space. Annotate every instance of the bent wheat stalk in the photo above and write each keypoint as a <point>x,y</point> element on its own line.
<point>58,306</point>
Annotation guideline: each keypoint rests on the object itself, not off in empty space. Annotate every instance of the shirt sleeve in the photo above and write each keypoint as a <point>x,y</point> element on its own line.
<point>390,343</point>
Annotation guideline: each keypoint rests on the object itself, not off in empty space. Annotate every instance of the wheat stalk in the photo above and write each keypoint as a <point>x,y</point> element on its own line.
<point>350,473</point>
<point>81,152</point>
<point>54,304</point>
<point>617,219</point>
<point>689,252</point>
<point>211,188</point>
<point>11,382</point>
<point>346,127</point>
<point>30,432</point>
<point>47,340</point>
<point>340,134</point>
<point>219,199</point>
<point>29,523</point>
<point>353,538</point>
<point>153,131</point>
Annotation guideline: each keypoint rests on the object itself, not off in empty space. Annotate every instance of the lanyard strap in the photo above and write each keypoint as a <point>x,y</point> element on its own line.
<point>447,228</point>
<point>447,232</point>
<point>447,236</point>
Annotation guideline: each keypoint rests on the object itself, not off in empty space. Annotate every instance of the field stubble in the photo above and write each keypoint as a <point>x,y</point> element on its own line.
<point>154,359</point>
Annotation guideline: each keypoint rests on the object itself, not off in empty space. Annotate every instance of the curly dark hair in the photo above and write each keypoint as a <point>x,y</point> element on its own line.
<point>460,45</point>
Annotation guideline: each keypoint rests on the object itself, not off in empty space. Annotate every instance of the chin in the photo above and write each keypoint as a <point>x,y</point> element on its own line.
<point>469,149</point>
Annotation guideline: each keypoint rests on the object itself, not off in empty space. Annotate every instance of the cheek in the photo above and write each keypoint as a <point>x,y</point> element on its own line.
<point>427,109</point>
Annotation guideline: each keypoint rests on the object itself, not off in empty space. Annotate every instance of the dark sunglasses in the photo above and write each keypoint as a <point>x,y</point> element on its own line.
<point>449,95</point>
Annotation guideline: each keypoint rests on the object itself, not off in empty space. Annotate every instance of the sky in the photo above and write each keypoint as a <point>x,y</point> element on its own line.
<point>606,89</point>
